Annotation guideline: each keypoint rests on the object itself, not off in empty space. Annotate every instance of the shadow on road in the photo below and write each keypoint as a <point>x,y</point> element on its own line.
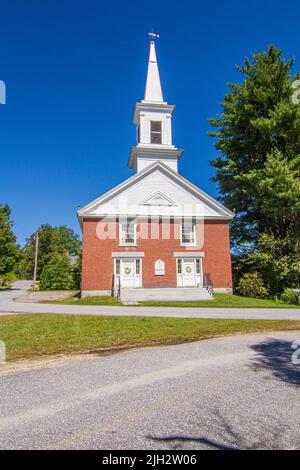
<point>9,289</point>
<point>275,356</point>
<point>266,432</point>
<point>219,433</point>
<point>201,440</point>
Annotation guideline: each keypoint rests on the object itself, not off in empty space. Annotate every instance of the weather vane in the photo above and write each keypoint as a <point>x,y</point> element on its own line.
<point>153,36</point>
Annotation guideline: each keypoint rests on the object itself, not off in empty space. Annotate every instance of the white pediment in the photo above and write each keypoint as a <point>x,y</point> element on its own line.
<point>157,190</point>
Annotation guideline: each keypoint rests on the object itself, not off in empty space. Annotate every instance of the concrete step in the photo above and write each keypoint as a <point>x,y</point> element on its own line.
<point>166,293</point>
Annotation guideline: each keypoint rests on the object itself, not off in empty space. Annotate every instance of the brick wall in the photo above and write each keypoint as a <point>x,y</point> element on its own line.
<point>97,261</point>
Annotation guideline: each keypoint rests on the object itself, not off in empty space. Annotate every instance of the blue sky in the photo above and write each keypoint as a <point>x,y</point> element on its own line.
<point>73,71</point>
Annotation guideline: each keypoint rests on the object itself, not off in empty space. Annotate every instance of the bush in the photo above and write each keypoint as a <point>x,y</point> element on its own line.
<point>76,273</point>
<point>57,274</point>
<point>7,279</point>
<point>252,285</point>
<point>290,297</point>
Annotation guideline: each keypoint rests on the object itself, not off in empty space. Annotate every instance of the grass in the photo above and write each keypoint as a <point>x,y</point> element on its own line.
<point>101,300</point>
<point>224,300</point>
<point>220,300</point>
<point>28,336</point>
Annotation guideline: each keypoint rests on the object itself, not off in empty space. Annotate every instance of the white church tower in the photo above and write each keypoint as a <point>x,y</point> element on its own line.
<point>153,119</point>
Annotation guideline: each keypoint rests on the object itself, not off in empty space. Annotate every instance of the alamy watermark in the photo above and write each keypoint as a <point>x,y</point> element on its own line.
<point>296,353</point>
<point>2,92</point>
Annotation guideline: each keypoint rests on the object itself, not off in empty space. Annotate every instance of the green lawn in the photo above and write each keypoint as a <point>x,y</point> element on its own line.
<point>101,300</point>
<point>220,300</point>
<point>225,300</point>
<point>35,335</point>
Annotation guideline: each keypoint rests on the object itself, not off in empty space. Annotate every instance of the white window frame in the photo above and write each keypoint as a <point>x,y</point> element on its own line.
<point>194,243</point>
<point>156,132</point>
<point>121,243</point>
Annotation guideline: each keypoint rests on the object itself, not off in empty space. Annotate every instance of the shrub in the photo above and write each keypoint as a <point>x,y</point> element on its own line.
<point>290,297</point>
<point>76,273</point>
<point>7,279</point>
<point>252,285</point>
<point>57,274</point>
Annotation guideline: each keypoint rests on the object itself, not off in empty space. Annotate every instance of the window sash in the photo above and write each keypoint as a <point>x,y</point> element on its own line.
<point>179,266</point>
<point>127,232</point>
<point>198,266</point>
<point>188,232</point>
<point>155,130</point>
<point>117,267</point>
<point>138,267</point>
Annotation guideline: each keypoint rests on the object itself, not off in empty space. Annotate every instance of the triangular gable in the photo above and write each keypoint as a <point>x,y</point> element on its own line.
<point>158,199</point>
<point>161,176</point>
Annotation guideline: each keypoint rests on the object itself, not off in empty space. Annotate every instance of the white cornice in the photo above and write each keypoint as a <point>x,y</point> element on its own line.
<point>141,106</point>
<point>153,151</point>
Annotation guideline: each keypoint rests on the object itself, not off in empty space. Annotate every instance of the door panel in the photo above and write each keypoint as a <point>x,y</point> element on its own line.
<point>127,272</point>
<point>188,272</point>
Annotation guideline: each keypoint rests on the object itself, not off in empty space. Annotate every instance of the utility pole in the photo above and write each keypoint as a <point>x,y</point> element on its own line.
<point>36,250</point>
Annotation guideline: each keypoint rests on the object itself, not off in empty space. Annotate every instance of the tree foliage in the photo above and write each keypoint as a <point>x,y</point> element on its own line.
<point>258,167</point>
<point>252,285</point>
<point>8,244</point>
<point>52,240</point>
<point>57,274</point>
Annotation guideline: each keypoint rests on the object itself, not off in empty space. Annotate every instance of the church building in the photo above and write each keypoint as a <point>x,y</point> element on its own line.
<point>156,235</point>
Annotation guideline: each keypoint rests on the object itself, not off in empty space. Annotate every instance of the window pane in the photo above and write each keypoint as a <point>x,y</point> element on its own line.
<point>137,266</point>
<point>117,267</point>
<point>155,138</point>
<point>198,266</point>
<point>179,266</point>
<point>188,232</point>
<point>127,232</point>
<point>155,128</point>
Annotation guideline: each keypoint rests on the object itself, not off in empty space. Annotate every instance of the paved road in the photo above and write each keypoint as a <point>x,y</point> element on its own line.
<point>8,305</point>
<point>234,392</point>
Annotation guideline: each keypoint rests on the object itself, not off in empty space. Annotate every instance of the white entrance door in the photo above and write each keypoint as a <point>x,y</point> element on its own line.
<point>127,272</point>
<point>188,273</point>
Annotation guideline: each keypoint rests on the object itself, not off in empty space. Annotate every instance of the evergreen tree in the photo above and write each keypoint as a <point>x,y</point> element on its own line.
<point>259,120</point>
<point>258,168</point>
<point>8,245</point>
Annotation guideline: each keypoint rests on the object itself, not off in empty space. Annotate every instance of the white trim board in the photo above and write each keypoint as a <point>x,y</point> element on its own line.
<point>127,254</point>
<point>188,254</point>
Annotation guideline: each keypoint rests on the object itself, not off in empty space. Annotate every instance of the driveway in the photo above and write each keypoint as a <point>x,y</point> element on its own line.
<point>226,393</point>
<point>8,305</point>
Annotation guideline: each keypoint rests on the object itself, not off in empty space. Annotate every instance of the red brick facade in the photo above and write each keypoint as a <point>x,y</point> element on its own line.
<point>98,264</point>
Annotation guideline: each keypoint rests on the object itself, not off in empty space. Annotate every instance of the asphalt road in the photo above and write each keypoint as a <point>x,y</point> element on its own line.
<point>234,392</point>
<point>9,305</point>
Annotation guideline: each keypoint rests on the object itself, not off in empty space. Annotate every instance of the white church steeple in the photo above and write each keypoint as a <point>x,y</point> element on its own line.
<point>153,91</point>
<point>153,119</point>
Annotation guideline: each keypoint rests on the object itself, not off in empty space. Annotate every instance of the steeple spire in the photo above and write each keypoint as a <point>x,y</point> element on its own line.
<point>153,90</point>
<point>153,119</point>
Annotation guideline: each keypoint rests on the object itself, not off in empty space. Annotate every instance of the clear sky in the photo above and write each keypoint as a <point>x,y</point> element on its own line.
<point>74,69</point>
